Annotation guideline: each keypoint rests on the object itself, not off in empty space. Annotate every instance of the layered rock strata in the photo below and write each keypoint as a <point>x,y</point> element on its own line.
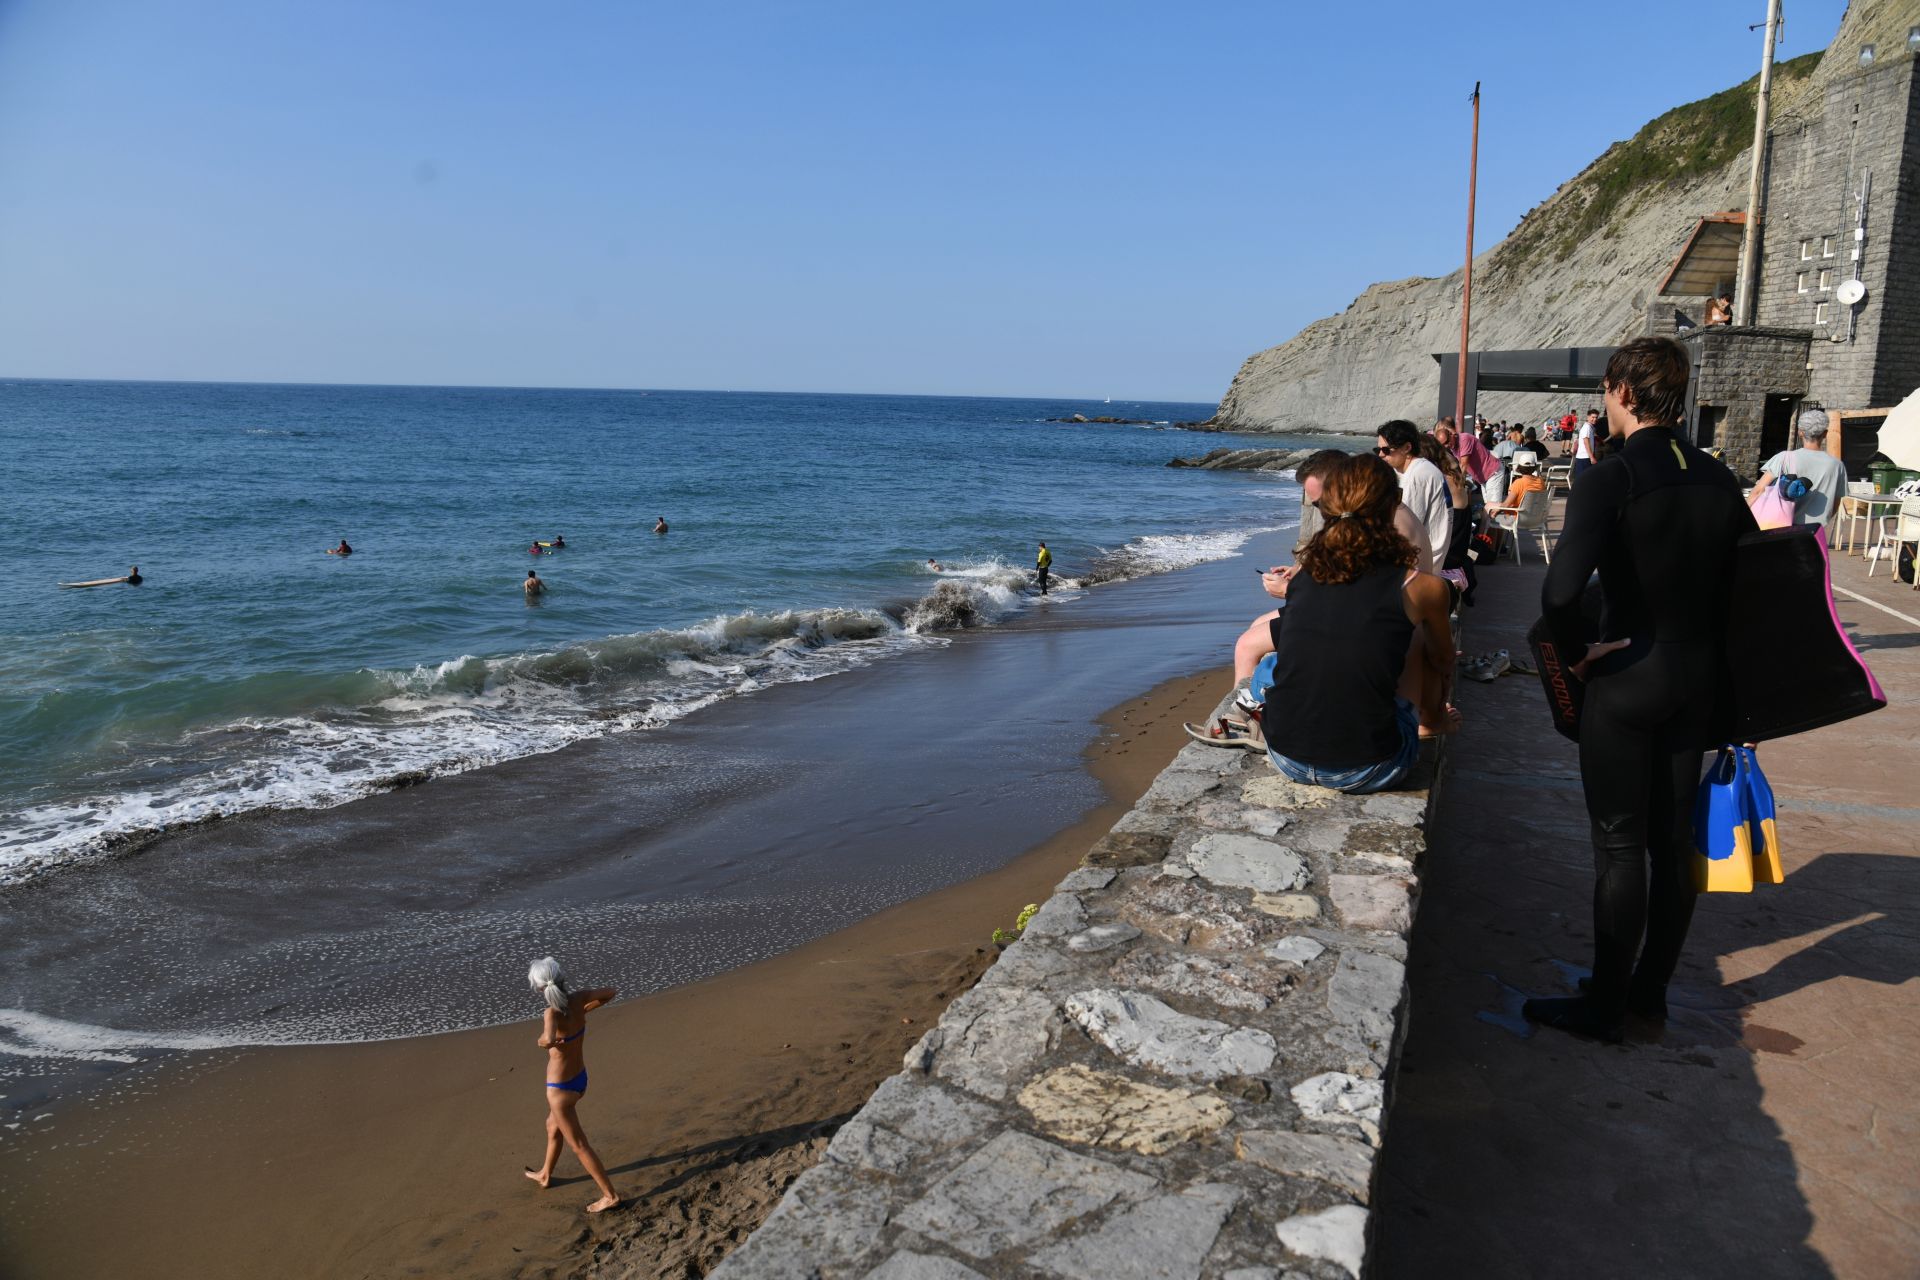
<point>1580,269</point>
<point>1179,1070</point>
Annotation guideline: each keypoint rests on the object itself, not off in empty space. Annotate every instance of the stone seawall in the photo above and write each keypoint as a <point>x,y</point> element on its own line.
<point>1179,1070</point>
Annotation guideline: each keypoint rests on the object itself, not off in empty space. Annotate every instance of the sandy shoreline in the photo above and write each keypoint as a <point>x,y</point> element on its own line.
<point>402,1157</point>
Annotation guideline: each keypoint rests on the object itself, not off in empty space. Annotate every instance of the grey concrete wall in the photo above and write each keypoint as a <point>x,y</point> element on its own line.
<point>1739,367</point>
<point>1181,1069</point>
<point>1867,120</point>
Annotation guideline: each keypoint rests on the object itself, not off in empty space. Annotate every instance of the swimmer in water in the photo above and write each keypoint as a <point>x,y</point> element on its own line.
<point>533,586</point>
<point>559,541</point>
<point>536,549</point>
<point>660,524</point>
<point>561,1027</point>
<point>133,575</point>
<point>342,550</point>
<point>933,564</point>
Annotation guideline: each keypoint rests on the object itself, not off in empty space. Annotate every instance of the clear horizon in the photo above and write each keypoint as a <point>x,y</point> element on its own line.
<point>998,202</point>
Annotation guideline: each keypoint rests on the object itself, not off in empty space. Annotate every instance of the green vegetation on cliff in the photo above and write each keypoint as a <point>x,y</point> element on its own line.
<point>1686,142</point>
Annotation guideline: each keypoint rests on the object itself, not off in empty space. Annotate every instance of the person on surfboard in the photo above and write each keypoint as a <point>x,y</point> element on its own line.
<point>132,578</point>
<point>342,550</point>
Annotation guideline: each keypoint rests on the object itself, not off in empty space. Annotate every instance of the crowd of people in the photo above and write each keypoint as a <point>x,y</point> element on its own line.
<point>1339,684</point>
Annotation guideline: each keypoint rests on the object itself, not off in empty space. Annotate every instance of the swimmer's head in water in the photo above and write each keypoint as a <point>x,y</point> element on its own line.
<point>530,573</point>
<point>546,977</point>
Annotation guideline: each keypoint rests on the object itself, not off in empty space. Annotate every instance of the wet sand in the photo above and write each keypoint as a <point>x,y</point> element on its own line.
<point>403,1157</point>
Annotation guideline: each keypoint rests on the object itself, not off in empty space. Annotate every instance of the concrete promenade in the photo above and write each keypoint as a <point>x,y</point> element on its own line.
<point>1774,1129</point>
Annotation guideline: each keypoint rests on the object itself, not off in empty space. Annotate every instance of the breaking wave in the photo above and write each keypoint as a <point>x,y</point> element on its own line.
<point>315,742</point>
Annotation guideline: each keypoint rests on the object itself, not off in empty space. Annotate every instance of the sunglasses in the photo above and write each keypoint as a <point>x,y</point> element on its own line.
<point>1383,449</point>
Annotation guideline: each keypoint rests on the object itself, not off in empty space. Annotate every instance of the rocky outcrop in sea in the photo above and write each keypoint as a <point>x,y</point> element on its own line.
<point>1246,459</point>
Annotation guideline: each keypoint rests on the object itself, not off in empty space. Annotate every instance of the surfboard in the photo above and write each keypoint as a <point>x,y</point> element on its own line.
<point>97,582</point>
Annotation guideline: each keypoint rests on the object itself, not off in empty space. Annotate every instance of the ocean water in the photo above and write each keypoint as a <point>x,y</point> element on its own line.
<point>251,671</point>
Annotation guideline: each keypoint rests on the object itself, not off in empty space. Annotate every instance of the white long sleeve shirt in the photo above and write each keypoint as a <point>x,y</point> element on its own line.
<point>1424,489</point>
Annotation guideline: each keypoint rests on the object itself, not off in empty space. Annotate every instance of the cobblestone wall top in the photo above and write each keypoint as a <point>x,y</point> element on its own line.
<point>1179,1070</point>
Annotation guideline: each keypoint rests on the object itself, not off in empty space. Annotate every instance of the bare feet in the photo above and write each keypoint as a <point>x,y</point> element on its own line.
<point>603,1204</point>
<point>537,1176</point>
<point>1450,725</point>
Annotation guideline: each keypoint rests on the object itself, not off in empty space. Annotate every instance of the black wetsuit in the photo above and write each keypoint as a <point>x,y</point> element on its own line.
<point>1659,519</point>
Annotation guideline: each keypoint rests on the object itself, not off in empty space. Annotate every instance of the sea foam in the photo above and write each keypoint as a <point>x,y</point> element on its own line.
<point>468,712</point>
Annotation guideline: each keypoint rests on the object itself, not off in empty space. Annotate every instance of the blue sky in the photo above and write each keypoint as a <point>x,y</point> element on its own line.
<point>1072,199</point>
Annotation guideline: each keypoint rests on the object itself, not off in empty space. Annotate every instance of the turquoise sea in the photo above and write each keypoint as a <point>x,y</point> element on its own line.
<point>251,671</point>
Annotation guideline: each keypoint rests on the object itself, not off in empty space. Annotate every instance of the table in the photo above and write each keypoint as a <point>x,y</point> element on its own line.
<point>1857,509</point>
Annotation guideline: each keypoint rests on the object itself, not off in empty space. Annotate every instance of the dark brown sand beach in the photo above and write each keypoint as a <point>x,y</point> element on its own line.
<point>403,1157</point>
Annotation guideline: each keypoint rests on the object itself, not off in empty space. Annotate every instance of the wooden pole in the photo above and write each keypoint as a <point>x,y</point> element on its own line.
<point>1466,284</point>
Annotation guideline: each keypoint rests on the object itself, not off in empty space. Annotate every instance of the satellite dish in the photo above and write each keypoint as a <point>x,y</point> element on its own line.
<point>1851,293</point>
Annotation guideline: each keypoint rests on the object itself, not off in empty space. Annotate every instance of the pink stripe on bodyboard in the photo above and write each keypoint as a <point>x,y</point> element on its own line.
<point>1833,611</point>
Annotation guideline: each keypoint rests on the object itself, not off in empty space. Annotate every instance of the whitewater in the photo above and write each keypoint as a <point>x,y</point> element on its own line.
<point>250,672</point>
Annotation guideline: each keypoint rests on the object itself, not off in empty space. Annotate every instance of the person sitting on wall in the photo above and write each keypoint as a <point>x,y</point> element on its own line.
<point>1478,464</point>
<point>1422,486</point>
<point>1256,642</point>
<point>1363,650</point>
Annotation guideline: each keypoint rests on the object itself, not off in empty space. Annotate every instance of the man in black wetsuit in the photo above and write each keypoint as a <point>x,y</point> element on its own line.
<point>1659,519</point>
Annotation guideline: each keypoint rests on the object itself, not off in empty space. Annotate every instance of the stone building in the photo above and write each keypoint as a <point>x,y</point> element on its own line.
<point>1842,204</point>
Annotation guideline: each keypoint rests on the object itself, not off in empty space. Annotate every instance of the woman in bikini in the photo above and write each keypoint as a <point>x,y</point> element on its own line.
<point>560,1032</point>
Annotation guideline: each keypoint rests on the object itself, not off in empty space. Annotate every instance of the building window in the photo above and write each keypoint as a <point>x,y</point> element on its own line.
<point>1826,278</point>
<point>1866,55</point>
<point>1913,39</point>
<point>1806,250</point>
<point>1826,246</point>
<point>1800,281</point>
<point>1820,312</point>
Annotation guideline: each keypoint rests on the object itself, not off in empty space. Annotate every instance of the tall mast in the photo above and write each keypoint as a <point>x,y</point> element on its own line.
<point>1746,290</point>
<point>1466,285</point>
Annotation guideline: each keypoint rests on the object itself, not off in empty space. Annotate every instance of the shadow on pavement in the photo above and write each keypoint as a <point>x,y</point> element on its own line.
<point>1524,1153</point>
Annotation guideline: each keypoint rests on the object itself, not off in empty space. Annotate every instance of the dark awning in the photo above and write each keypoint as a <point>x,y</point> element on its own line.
<point>1574,370</point>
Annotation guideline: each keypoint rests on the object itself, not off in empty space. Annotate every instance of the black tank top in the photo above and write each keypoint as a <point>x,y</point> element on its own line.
<point>1338,660</point>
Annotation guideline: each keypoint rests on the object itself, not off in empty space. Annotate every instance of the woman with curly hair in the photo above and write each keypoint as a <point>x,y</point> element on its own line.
<point>1363,648</point>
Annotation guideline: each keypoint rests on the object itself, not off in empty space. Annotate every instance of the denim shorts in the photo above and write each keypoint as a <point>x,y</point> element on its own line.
<point>1366,778</point>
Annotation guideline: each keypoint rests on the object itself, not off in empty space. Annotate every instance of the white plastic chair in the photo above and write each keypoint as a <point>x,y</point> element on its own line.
<point>1895,532</point>
<point>1532,517</point>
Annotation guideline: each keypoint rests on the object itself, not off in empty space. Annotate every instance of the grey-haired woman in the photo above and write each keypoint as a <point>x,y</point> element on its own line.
<point>564,1023</point>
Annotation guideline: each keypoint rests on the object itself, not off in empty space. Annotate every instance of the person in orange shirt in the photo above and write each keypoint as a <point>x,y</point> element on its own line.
<point>1526,480</point>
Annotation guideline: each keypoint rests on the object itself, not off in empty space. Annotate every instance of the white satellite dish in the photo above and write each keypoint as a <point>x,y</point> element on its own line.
<point>1850,293</point>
